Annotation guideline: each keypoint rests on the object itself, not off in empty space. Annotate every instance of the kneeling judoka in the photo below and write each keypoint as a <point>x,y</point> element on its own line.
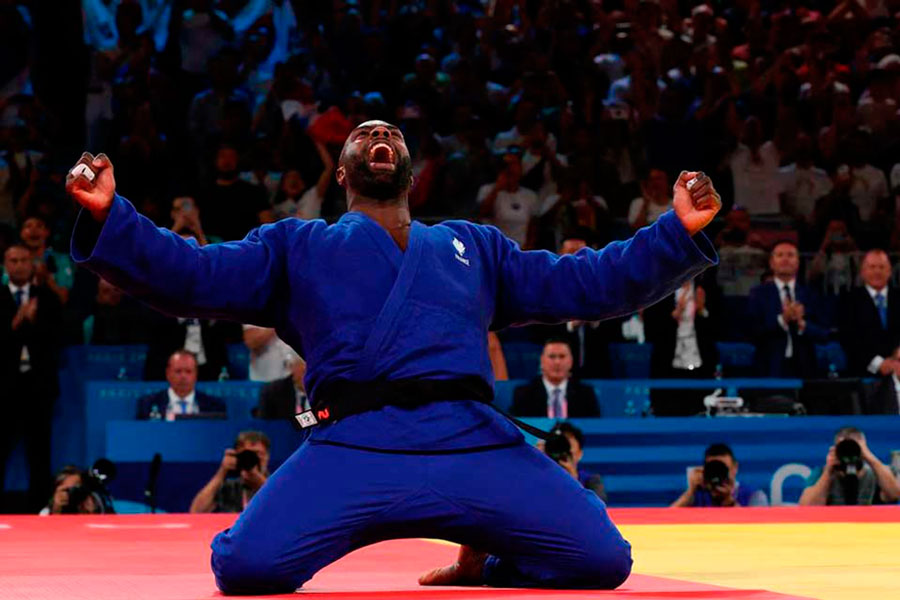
<point>392,317</point>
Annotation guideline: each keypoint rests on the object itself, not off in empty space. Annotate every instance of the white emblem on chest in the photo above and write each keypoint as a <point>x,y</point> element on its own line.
<point>460,250</point>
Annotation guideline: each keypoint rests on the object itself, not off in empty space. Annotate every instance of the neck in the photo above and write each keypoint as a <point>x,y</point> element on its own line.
<point>785,278</point>
<point>555,381</point>
<point>18,284</point>
<point>392,215</point>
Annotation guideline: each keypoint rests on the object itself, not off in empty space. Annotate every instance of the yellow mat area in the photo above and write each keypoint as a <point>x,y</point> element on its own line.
<point>831,561</point>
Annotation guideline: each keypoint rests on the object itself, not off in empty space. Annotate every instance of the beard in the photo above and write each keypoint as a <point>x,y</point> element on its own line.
<point>379,185</point>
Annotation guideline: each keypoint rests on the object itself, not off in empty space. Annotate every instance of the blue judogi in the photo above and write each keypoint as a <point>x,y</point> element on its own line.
<point>357,307</point>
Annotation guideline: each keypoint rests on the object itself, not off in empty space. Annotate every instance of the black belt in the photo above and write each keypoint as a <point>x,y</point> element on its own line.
<point>342,398</point>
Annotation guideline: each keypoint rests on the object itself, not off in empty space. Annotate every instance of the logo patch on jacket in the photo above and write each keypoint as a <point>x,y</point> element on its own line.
<point>460,250</point>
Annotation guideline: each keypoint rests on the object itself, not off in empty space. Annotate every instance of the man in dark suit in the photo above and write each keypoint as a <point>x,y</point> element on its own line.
<point>181,398</point>
<point>785,323</point>
<point>30,328</point>
<point>284,398</point>
<point>882,396</point>
<point>555,394</point>
<point>682,330</point>
<point>870,319</point>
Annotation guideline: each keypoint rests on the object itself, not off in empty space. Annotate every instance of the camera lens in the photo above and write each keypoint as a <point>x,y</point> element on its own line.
<point>715,473</point>
<point>849,456</point>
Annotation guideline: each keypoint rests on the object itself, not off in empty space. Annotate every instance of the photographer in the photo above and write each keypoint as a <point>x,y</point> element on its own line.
<point>243,471</point>
<point>79,492</point>
<point>566,448</point>
<point>715,483</point>
<point>852,475</point>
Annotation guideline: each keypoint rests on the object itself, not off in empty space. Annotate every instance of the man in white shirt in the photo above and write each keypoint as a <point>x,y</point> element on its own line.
<point>754,168</point>
<point>181,398</point>
<point>868,184</point>
<point>270,357</point>
<point>801,183</point>
<point>509,206</point>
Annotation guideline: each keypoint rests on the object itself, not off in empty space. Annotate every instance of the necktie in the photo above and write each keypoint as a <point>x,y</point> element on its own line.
<point>881,305</point>
<point>20,295</point>
<point>787,293</point>
<point>183,404</point>
<point>556,407</point>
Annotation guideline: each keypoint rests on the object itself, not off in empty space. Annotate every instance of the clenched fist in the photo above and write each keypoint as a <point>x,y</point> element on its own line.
<point>695,200</point>
<point>91,183</point>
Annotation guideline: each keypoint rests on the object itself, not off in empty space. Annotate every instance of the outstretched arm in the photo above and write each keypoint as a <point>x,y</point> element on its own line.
<point>617,280</point>
<point>235,281</point>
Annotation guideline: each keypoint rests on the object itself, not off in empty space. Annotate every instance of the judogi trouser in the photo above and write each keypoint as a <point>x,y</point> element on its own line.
<point>540,526</point>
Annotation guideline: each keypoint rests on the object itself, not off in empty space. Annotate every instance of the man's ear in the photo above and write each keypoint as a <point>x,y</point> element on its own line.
<point>340,174</point>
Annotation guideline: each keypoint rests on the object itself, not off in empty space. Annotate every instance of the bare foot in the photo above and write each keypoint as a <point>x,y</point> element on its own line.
<point>465,571</point>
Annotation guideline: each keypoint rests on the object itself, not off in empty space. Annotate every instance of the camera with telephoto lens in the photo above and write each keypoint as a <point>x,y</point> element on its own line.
<point>93,485</point>
<point>715,474</point>
<point>246,461</point>
<point>557,446</point>
<point>849,456</point>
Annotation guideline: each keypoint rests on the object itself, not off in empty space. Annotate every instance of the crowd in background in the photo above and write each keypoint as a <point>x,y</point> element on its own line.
<point>562,122</point>
<point>551,120</point>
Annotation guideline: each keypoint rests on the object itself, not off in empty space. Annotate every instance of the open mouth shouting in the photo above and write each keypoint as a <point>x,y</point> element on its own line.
<point>381,157</point>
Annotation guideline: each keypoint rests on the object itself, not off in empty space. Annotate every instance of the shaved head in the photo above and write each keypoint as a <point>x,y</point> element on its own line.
<point>375,162</point>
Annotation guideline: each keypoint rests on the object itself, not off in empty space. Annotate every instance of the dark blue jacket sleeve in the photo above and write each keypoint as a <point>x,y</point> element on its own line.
<point>235,280</point>
<point>539,286</point>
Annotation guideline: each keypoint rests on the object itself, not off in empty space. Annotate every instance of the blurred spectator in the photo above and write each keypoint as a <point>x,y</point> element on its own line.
<point>19,169</point>
<point>186,220</point>
<point>207,339</point>
<point>203,31</point>
<point>868,184</point>
<point>833,263</point>
<point>754,167</point>
<point>683,330</point>
<point>270,357</point>
<point>509,206</point>
<point>785,323</point>
<point>182,397</point>
<point>655,199</point>
<point>283,398</point>
<point>882,396</point>
<point>852,475</point>
<point>231,206</point>
<point>52,269</point>
<point>67,478</point>
<point>716,484</point>
<point>113,318</point>
<point>555,394</point>
<point>742,261</point>
<point>277,14</point>
<point>570,463</point>
<point>30,329</point>
<point>210,109</point>
<point>574,208</point>
<point>869,322</point>
<point>526,120</point>
<point>239,476</point>
<point>296,199</point>
<point>802,183</point>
